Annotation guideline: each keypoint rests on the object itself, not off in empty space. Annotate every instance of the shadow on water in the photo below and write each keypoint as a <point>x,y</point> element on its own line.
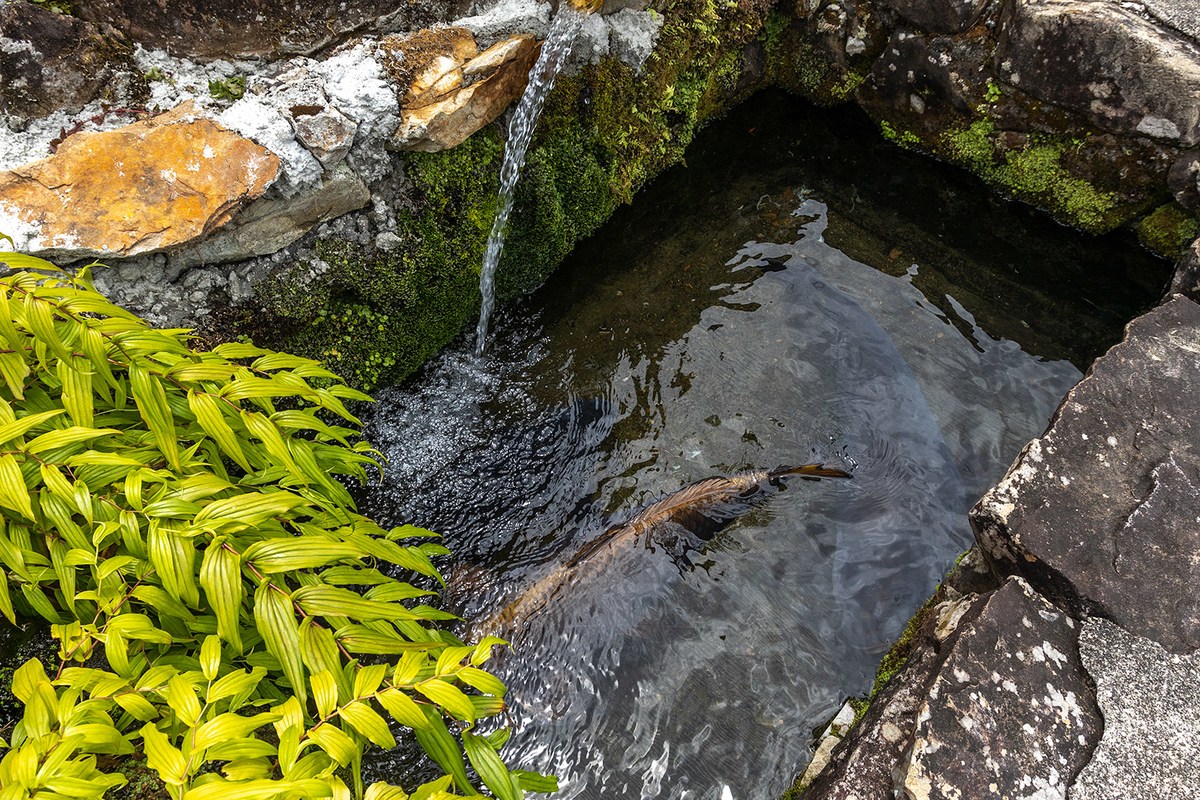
<point>785,299</point>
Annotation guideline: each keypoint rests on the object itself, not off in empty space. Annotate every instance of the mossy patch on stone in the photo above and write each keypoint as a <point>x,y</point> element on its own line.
<point>1034,173</point>
<point>1168,230</point>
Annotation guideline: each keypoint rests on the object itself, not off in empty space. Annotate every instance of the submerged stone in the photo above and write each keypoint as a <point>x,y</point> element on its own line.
<point>1149,699</point>
<point>1099,514</point>
<point>146,187</point>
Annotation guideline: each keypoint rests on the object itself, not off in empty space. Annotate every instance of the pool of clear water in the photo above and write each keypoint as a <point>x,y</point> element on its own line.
<point>802,291</point>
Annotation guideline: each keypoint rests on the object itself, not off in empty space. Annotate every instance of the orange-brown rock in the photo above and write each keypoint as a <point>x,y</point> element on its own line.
<point>449,121</point>
<point>149,186</point>
<point>490,60</point>
<point>426,65</point>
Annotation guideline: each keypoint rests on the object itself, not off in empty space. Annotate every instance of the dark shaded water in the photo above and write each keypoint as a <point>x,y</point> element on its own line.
<point>908,326</point>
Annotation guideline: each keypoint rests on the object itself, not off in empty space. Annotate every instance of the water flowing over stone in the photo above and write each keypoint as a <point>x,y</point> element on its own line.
<point>520,132</point>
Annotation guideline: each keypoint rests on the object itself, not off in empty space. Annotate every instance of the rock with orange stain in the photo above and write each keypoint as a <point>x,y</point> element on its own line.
<point>147,187</point>
<point>496,77</point>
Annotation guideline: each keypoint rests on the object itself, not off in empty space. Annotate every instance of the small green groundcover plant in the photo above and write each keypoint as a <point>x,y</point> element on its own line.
<point>172,514</point>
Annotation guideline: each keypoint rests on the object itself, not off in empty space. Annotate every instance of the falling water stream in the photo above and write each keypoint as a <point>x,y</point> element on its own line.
<point>802,291</point>
<point>555,48</point>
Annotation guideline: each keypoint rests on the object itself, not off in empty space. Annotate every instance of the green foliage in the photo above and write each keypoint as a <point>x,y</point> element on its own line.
<point>231,88</point>
<point>219,604</point>
<point>993,92</point>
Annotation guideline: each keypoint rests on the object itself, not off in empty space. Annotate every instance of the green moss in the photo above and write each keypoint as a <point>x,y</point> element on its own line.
<point>1168,230</point>
<point>798,65</point>
<point>898,654</point>
<point>904,138</point>
<point>1035,174</point>
<point>374,317</point>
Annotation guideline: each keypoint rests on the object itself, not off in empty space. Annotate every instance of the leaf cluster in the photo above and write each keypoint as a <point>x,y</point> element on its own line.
<point>175,516</point>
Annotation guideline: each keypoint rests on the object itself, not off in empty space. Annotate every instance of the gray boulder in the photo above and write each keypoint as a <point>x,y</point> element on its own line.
<point>993,701</point>
<point>1125,73</point>
<point>1097,513</point>
<point>1183,179</point>
<point>1151,731</point>
<point>1182,15</point>
<point>1186,280</point>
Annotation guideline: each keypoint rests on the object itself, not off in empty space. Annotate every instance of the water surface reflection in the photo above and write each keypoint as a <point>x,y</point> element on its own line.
<point>723,332</point>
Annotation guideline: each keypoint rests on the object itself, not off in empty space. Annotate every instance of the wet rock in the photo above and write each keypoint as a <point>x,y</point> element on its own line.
<point>1097,512</point>
<point>50,61</point>
<point>449,121</point>
<point>940,16</point>
<point>245,28</point>
<point>1186,280</point>
<point>926,77</point>
<point>146,187</point>
<point>1149,699</point>
<point>1124,73</point>
<point>1010,713</point>
<point>1183,179</point>
<point>834,732</point>
<point>864,765</point>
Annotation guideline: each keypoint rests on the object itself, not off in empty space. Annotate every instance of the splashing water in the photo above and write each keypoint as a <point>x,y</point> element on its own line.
<point>520,131</point>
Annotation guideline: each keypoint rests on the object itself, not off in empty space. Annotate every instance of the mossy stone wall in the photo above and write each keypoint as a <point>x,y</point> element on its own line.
<point>375,316</point>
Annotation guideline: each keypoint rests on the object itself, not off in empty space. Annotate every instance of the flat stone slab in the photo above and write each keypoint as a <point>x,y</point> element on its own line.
<point>1127,74</point>
<point>146,187</point>
<point>1100,514</point>
<point>1010,714</point>
<point>1149,699</point>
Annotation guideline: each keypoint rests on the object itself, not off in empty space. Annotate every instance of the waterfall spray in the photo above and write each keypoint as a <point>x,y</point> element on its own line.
<point>520,131</point>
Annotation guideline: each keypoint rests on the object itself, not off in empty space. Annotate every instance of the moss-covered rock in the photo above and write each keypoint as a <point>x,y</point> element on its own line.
<point>376,315</point>
<point>1168,230</point>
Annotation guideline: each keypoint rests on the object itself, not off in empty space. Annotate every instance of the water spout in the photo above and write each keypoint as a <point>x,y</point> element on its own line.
<point>520,131</point>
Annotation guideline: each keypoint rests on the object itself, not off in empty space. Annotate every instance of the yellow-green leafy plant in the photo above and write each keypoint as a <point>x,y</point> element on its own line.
<point>172,513</point>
